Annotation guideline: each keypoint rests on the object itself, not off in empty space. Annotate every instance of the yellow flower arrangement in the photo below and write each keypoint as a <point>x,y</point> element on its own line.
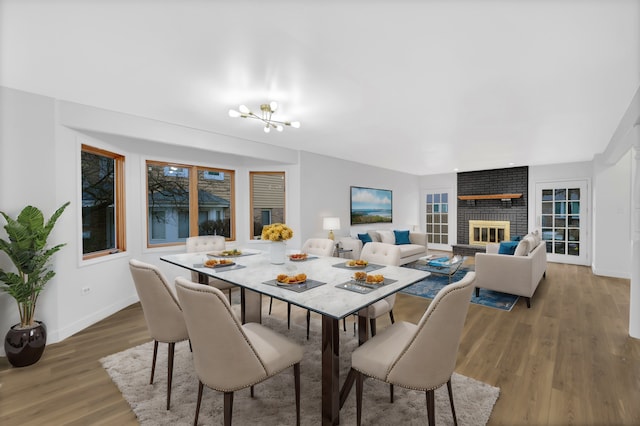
<point>276,232</point>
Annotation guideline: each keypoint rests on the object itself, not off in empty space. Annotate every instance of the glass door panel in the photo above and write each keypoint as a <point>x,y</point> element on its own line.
<point>560,217</point>
<point>437,218</point>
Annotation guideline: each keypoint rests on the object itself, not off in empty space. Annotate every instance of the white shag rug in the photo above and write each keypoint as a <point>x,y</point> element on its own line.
<point>274,402</point>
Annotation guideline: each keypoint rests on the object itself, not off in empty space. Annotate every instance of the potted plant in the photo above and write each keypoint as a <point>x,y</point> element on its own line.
<point>26,248</point>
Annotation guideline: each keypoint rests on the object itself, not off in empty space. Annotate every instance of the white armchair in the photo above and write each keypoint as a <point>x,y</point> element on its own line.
<point>518,274</point>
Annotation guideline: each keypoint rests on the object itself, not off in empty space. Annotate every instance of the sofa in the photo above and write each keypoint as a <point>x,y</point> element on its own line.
<point>413,245</point>
<point>518,273</point>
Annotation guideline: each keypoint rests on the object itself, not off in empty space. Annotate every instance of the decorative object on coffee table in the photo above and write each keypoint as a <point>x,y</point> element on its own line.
<point>25,342</point>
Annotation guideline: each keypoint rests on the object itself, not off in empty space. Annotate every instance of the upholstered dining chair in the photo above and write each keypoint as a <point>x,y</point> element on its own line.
<point>249,353</point>
<point>382,254</point>
<point>209,243</point>
<point>422,356</point>
<point>314,246</point>
<point>162,313</point>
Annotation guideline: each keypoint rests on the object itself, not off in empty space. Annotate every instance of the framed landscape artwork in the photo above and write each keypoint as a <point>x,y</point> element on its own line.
<point>370,205</point>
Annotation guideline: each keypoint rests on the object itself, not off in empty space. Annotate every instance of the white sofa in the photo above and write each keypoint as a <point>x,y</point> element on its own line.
<point>517,274</point>
<point>408,252</point>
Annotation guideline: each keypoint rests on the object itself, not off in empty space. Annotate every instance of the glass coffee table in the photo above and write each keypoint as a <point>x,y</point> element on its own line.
<point>445,266</point>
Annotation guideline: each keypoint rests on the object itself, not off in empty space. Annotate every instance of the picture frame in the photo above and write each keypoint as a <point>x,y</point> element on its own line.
<point>371,205</point>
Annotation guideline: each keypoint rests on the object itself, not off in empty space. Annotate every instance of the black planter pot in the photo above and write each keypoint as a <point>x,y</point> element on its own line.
<point>25,346</point>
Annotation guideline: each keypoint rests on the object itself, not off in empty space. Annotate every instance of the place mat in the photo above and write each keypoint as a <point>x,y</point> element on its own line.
<point>298,288</point>
<point>369,268</point>
<point>363,288</point>
<point>220,268</point>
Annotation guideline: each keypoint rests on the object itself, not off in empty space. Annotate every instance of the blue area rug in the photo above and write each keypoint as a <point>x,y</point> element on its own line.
<point>431,285</point>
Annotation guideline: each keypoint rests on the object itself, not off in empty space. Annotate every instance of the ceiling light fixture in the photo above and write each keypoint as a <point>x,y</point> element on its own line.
<point>267,111</point>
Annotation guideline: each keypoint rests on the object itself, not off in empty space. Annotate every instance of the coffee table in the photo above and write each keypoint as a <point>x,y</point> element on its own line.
<point>441,267</point>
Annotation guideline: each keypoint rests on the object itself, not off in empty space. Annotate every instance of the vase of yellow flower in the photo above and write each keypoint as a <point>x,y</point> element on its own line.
<point>277,233</point>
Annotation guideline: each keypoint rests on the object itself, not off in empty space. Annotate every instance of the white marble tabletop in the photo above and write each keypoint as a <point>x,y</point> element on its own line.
<point>253,270</point>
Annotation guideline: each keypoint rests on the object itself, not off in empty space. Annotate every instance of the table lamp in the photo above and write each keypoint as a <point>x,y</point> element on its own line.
<point>330,224</point>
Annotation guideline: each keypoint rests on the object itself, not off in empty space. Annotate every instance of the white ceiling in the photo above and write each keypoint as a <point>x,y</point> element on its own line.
<point>417,86</point>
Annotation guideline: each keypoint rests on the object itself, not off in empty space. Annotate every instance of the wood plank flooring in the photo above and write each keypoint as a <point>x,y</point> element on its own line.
<point>566,361</point>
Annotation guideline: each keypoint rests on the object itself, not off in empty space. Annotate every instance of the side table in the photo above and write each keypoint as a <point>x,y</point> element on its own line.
<point>341,251</point>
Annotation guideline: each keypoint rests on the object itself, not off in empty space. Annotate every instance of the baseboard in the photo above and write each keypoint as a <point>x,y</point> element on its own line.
<point>610,273</point>
<point>54,336</point>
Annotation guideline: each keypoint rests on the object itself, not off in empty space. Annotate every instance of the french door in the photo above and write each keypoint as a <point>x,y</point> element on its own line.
<point>562,215</point>
<point>437,217</point>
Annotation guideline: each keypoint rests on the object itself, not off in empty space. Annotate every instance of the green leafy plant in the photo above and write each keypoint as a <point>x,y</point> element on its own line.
<point>27,250</point>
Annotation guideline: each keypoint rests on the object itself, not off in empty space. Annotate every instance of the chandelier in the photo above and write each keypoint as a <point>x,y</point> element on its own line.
<point>266,111</point>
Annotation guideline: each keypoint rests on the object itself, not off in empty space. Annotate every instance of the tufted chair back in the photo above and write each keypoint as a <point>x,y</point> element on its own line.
<point>160,305</point>
<point>319,246</point>
<point>204,243</point>
<point>381,253</point>
<point>223,345</point>
<point>227,355</point>
<point>162,313</point>
<point>428,360</point>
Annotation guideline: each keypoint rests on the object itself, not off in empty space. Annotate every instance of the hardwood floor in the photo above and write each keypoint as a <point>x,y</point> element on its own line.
<point>567,360</point>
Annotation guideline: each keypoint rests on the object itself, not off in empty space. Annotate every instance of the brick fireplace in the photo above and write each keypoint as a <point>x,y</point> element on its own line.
<point>491,195</point>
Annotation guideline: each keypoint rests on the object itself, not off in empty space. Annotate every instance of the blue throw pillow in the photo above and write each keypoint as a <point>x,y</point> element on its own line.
<point>365,238</point>
<point>516,238</point>
<point>402,237</point>
<point>508,247</point>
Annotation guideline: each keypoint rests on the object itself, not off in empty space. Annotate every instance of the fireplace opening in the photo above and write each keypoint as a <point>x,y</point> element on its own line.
<point>483,232</point>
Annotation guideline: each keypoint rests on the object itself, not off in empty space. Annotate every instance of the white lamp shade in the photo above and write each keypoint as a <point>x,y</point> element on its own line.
<point>331,223</point>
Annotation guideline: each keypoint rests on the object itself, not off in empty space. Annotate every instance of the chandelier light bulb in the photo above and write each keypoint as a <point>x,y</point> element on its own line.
<point>233,113</point>
<point>267,129</point>
<point>295,124</point>
<point>273,105</point>
<point>243,109</point>
<point>279,127</point>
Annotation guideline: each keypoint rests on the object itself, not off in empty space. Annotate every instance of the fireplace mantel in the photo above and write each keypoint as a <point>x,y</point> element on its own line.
<point>489,197</point>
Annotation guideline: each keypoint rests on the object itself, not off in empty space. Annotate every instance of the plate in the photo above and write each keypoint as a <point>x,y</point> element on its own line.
<point>297,257</point>
<point>225,253</point>
<point>290,283</point>
<point>219,265</point>
<point>372,283</point>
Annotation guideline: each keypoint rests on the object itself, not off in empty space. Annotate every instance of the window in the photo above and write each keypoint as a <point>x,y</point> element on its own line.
<point>267,200</point>
<point>103,210</point>
<point>437,218</point>
<point>186,201</point>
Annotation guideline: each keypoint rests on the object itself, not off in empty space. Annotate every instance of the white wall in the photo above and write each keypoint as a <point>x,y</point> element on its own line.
<point>326,182</point>
<point>612,219</point>
<point>28,177</point>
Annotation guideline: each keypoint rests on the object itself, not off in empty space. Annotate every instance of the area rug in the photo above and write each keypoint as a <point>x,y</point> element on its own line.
<point>274,402</point>
<point>431,285</point>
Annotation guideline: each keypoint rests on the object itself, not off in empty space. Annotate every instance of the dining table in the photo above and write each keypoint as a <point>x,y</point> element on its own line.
<point>329,290</point>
